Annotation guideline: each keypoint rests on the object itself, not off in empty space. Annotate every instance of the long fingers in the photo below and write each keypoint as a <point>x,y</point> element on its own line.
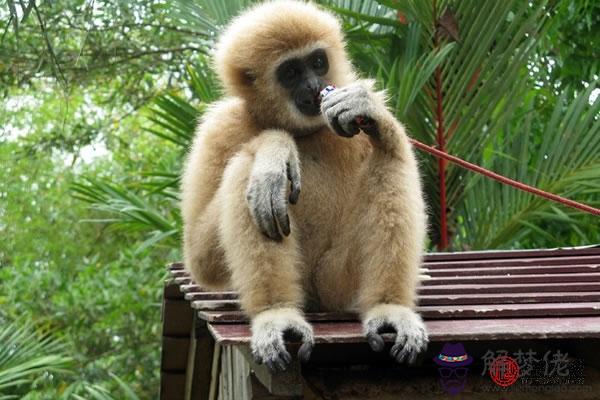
<point>293,173</point>
<point>279,208</point>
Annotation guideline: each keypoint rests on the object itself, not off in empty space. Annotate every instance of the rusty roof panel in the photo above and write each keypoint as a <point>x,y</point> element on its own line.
<point>475,295</point>
<point>441,330</point>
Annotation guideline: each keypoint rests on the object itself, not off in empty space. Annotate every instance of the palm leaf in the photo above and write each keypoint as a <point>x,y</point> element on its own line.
<point>566,162</point>
<point>25,353</point>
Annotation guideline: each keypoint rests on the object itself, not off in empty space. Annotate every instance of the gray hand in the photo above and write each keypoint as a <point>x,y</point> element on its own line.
<point>267,190</point>
<point>343,106</point>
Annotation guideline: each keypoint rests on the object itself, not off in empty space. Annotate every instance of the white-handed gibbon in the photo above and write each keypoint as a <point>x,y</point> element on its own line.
<point>354,238</point>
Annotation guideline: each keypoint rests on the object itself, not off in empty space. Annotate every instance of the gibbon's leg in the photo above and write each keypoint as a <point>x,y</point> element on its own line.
<point>265,265</point>
<point>391,222</point>
<point>203,255</point>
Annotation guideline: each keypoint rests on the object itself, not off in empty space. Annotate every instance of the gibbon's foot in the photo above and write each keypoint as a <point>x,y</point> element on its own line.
<point>411,336</point>
<point>346,107</point>
<point>270,327</point>
<point>266,194</point>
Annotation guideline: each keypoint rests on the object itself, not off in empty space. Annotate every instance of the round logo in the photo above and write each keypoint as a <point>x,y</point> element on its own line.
<point>504,371</point>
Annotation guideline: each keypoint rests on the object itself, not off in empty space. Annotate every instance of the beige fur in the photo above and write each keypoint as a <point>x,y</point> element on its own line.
<point>358,229</point>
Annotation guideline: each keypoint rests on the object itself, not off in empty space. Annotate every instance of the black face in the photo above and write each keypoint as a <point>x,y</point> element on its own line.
<point>302,77</point>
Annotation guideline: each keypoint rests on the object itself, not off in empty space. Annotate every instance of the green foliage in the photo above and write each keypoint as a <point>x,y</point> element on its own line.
<point>85,239</point>
<point>573,43</point>
<point>152,205</point>
<point>488,56</point>
<point>564,159</point>
<point>79,278</point>
<point>27,353</point>
<point>76,42</point>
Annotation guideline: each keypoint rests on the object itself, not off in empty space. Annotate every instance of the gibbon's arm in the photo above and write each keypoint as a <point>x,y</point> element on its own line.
<point>222,132</point>
<point>275,162</point>
<point>392,195</point>
<point>220,135</point>
<point>343,106</point>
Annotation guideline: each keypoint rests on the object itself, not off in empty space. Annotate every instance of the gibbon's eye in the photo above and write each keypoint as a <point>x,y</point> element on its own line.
<point>318,62</point>
<point>289,72</point>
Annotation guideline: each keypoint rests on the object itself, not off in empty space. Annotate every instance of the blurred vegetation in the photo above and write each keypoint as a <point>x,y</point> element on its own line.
<point>99,103</point>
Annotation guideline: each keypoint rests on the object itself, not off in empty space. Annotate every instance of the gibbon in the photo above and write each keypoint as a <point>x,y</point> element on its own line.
<point>353,239</point>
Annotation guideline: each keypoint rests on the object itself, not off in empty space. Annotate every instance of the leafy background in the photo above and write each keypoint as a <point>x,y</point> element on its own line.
<point>99,103</point>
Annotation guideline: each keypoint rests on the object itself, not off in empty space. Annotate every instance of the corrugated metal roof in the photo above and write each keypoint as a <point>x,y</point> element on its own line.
<point>492,295</point>
<point>476,285</point>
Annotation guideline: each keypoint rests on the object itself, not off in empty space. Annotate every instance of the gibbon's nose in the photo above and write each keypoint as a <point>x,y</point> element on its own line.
<point>309,101</point>
<point>313,84</point>
<point>307,96</point>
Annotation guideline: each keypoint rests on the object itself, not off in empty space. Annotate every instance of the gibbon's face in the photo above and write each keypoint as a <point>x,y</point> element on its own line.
<point>277,57</point>
<point>302,77</point>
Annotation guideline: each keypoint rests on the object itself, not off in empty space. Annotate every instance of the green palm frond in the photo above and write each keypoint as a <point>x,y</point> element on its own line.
<point>25,353</point>
<point>475,55</point>
<point>126,209</point>
<point>208,15</point>
<point>566,162</point>
<point>481,69</point>
<point>174,119</point>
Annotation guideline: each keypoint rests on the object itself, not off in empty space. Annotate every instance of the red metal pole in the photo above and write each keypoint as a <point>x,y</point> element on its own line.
<point>441,141</point>
<point>505,180</point>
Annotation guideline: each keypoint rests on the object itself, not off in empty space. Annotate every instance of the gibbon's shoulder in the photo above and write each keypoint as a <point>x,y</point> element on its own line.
<point>224,123</point>
<point>228,107</point>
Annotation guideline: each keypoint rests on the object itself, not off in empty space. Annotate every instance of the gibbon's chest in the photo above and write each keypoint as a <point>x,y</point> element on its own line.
<point>328,158</point>
<point>332,168</point>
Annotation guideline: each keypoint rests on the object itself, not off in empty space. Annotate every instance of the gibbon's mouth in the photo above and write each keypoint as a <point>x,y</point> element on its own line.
<point>308,101</point>
<point>310,109</point>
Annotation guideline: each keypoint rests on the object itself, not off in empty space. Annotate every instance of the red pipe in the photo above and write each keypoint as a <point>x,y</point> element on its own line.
<point>511,182</point>
<point>441,142</point>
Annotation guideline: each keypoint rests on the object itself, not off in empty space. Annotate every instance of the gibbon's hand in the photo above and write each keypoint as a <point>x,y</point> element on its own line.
<point>271,328</point>
<point>411,335</point>
<point>349,109</point>
<point>267,191</point>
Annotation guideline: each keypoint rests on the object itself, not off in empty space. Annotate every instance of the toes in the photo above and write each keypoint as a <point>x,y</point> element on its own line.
<point>398,346</point>
<point>396,349</point>
<point>305,334</point>
<point>400,353</point>
<point>277,359</point>
<point>278,364</point>
<point>411,335</point>
<point>305,351</point>
<point>257,358</point>
<point>408,346</point>
<point>270,331</point>
<point>375,341</point>
<point>405,352</point>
